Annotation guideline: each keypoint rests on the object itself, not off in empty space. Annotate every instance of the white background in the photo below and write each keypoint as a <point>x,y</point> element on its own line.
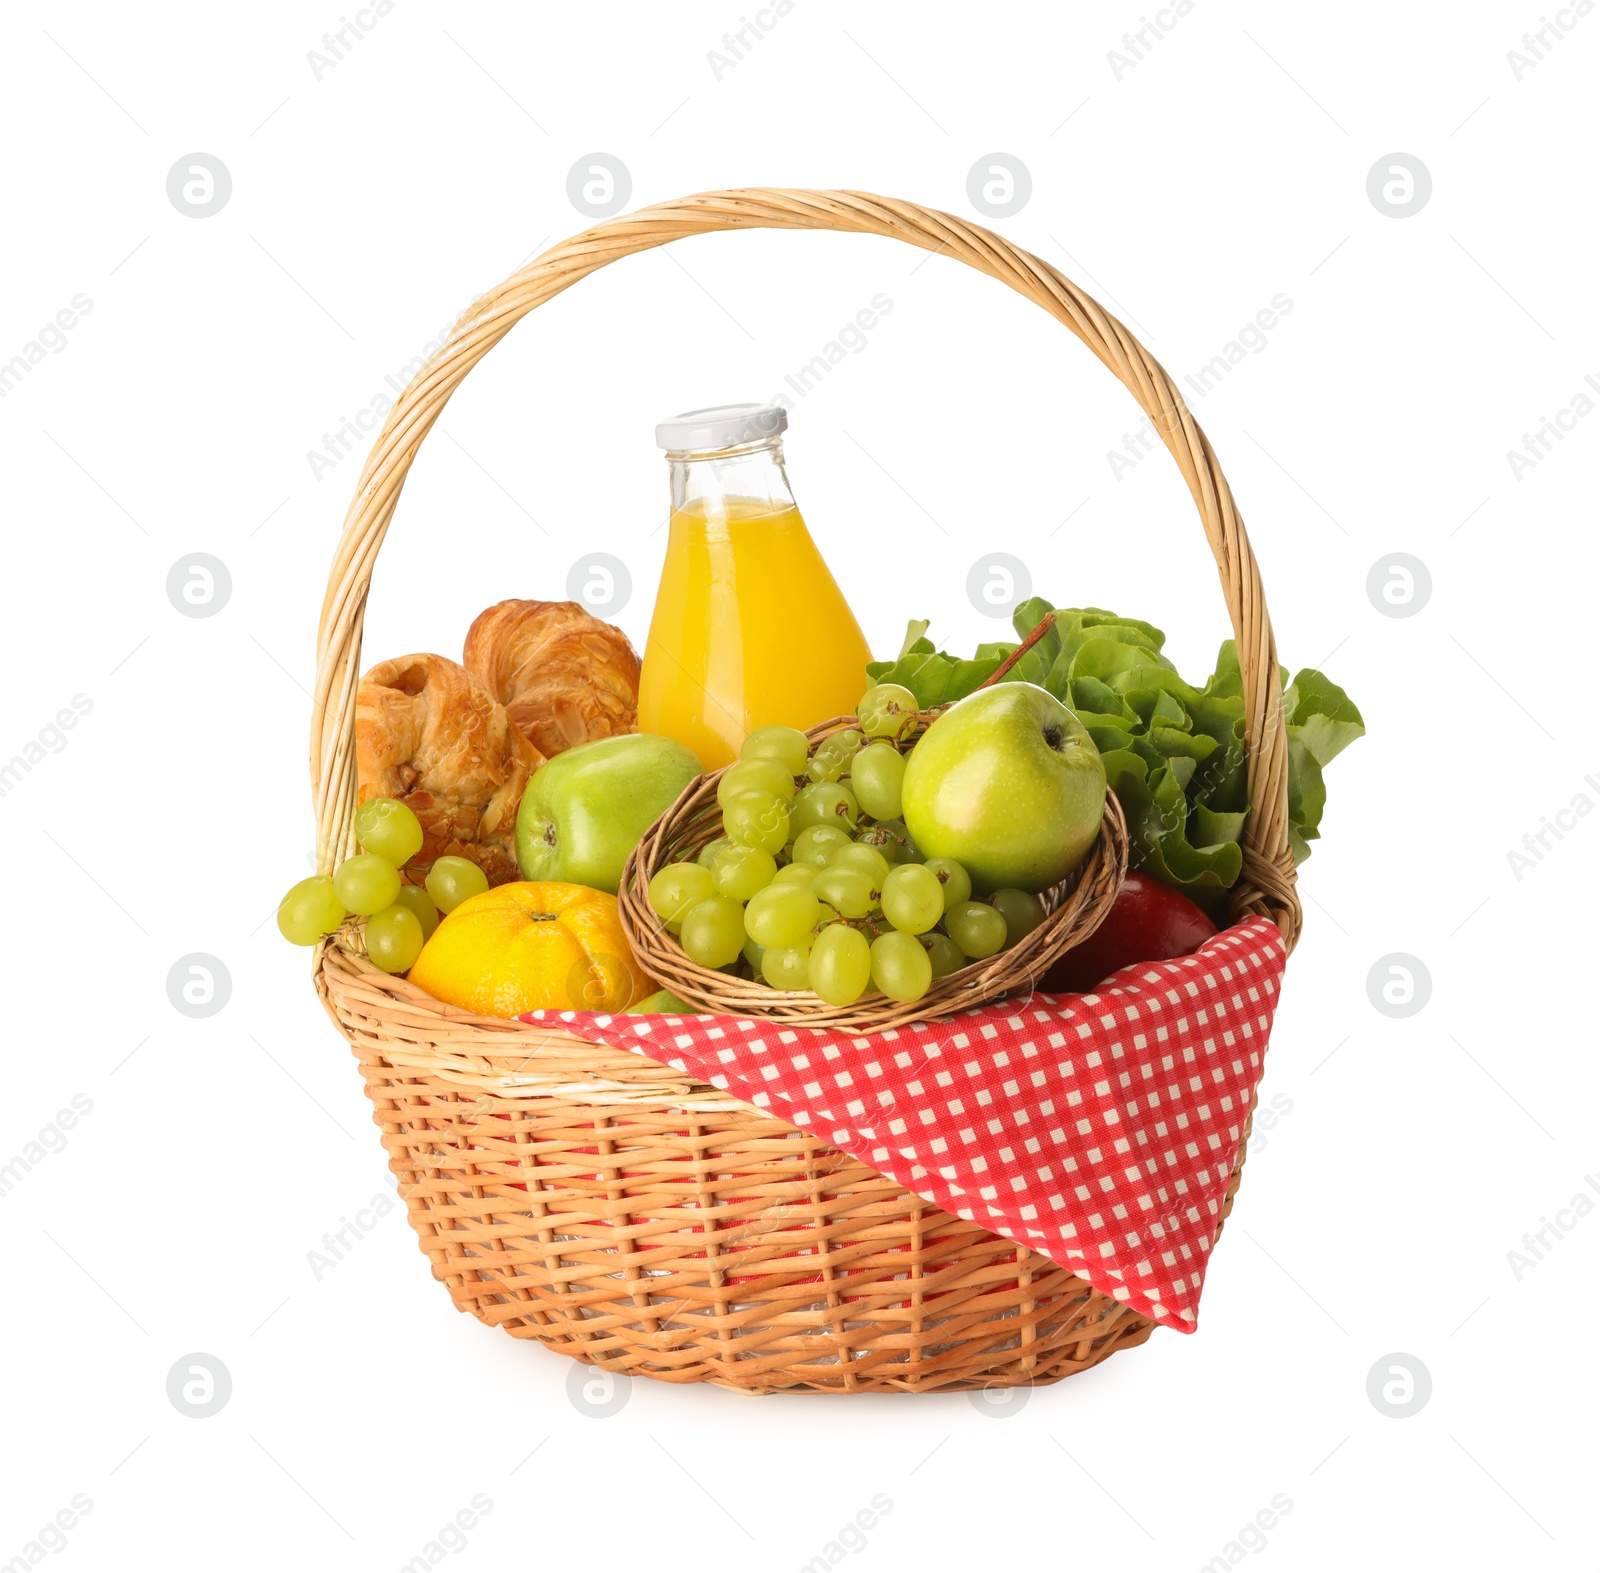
<point>368,207</point>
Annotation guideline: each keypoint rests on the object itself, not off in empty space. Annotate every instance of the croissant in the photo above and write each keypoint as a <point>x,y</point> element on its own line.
<point>564,676</point>
<point>429,733</point>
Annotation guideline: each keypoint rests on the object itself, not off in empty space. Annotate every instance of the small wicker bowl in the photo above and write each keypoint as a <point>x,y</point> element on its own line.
<point>1075,909</point>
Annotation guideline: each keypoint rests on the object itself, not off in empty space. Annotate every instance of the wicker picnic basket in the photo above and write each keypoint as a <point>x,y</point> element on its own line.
<point>616,1209</point>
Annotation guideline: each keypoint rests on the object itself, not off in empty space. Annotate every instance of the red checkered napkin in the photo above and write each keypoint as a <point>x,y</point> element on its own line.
<point>1097,1129</point>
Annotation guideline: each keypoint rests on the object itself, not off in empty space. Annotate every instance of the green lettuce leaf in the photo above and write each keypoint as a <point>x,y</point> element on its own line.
<point>935,678</point>
<point>1308,796</point>
<point>1212,829</point>
<point>1327,720</point>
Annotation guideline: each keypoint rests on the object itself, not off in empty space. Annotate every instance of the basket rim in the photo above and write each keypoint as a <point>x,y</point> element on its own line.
<point>503,1056</point>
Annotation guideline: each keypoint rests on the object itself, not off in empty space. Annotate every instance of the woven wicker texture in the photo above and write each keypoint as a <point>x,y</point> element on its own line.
<point>1076,908</point>
<point>617,1211</point>
<point>604,1205</point>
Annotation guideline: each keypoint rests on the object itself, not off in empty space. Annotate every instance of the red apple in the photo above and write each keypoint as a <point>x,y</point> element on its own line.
<point>1148,921</point>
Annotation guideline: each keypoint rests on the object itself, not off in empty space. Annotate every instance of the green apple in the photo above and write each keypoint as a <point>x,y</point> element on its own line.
<point>584,811</point>
<point>1009,784</point>
<point>663,1003</point>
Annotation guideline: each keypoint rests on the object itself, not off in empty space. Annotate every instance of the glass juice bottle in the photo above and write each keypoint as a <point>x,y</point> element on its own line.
<point>750,628</point>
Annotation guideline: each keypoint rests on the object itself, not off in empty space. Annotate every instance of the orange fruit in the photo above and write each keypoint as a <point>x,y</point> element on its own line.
<point>532,945</point>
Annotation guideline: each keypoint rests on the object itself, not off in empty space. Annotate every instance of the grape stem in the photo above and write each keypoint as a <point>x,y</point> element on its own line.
<point>1045,624</point>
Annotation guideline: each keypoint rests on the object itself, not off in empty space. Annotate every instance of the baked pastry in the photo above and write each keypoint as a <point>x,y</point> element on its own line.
<point>564,676</point>
<point>429,733</point>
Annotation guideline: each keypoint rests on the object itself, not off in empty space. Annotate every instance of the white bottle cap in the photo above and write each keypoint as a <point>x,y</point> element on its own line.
<point>721,426</point>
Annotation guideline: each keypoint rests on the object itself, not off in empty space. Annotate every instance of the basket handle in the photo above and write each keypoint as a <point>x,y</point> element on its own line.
<point>1267,884</point>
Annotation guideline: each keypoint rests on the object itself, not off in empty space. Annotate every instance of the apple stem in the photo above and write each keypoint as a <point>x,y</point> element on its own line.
<point>1045,624</point>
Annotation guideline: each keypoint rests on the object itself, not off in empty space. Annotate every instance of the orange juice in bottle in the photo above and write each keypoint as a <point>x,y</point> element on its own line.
<point>750,628</point>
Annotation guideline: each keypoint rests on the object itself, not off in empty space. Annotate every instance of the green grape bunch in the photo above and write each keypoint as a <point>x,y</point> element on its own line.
<point>814,883</point>
<point>369,884</point>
